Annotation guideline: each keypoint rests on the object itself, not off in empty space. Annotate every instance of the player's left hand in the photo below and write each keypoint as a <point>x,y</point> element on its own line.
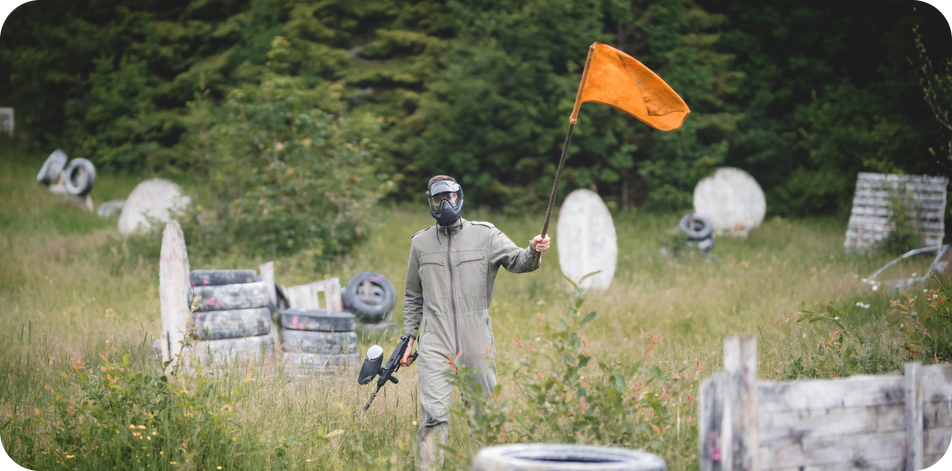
<point>540,244</point>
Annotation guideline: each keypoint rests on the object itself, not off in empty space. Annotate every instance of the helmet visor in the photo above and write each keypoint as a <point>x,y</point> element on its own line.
<point>443,191</point>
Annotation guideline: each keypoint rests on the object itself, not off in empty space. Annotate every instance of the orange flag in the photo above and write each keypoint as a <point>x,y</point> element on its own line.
<point>614,78</point>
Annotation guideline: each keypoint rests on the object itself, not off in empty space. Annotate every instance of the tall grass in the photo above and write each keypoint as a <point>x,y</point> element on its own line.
<point>71,289</point>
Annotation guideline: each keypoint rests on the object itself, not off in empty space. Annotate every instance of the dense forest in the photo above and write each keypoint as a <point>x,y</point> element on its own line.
<point>802,94</point>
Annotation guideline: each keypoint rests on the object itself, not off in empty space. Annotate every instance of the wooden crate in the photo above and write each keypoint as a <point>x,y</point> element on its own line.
<point>870,219</point>
<point>886,422</point>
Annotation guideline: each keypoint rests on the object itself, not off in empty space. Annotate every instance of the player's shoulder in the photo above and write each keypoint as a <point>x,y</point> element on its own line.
<point>420,232</point>
<point>485,224</point>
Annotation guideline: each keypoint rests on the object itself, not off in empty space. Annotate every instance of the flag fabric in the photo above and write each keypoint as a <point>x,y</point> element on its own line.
<point>616,79</point>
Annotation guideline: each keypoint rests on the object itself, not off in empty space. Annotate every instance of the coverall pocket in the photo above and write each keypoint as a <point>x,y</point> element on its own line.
<point>470,271</point>
<point>434,277</point>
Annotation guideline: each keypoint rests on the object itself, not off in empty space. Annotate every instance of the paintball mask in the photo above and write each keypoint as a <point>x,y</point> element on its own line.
<point>445,201</point>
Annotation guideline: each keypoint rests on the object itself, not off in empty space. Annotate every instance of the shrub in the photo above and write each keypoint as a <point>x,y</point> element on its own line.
<point>288,170</point>
<point>928,326</point>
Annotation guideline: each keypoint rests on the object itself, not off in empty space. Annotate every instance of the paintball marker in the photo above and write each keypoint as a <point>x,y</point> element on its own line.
<point>371,366</point>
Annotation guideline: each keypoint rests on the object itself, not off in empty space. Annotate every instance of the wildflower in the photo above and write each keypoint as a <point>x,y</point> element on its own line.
<point>70,456</point>
<point>308,460</point>
<point>219,467</point>
<point>875,287</point>
<point>866,306</point>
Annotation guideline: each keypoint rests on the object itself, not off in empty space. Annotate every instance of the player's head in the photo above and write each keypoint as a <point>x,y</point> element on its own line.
<point>444,199</point>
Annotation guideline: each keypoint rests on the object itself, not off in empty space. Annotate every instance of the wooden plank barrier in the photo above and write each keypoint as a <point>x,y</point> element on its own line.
<point>886,422</point>
<point>306,296</point>
<point>922,196</point>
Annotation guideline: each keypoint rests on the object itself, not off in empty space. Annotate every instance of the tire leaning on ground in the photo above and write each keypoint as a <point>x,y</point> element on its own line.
<point>370,296</point>
<point>52,167</point>
<point>233,324</point>
<point>702,227</point>
<point>317,320</point>
<point>221,277</point>
<point>79,177</point>
<point>546,457</point>
<point>328,343</point>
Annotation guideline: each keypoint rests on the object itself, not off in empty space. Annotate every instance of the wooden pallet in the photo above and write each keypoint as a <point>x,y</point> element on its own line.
<point>886,422</point>
<point>924,199</point>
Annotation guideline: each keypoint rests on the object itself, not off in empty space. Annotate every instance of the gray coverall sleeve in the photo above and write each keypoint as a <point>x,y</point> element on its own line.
<point>413,296</point>
<point>511,256</point>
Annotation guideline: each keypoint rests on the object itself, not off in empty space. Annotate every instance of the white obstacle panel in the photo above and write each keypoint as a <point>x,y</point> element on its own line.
<point>173,289</point>
<point>152,200</point>
<point>586,240</point>
<point>732,200</point>
<point>6,121</point>
<point>922,196</point>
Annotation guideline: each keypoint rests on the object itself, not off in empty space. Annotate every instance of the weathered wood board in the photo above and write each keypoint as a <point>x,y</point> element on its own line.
<point>307,297</point>
<point>895,421</point>
<point>173,286</point>
<point>922,196</point>
<point>6,121</point>
<point>150,201</point>
<point>732,200</point>
<point>586,240</point>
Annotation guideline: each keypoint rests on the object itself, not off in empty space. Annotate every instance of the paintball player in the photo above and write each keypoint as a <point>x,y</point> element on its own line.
<point>450,278</point>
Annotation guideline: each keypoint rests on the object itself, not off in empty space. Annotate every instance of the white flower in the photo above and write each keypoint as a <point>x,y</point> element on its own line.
<point>837,318</point>
<point>859,304</point>
<point>866,306</point>
<point>875,287</point>
<point>925,291</point>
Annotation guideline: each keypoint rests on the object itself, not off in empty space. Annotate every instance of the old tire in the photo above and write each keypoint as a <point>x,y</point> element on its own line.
<point>214,325</point>
<point>370,296</point>
<point>243,349</point>
<point>545,457</point>
<point>328,343</point>
<point>79,177</point>
<point>317,320</point>
<point>52,167</point>
<point>221,277</point>
<point>702,227</point>
<point>310,363</point>
<point>229,297</point>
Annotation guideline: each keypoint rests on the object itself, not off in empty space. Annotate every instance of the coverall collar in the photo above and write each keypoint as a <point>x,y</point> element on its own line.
<point>452,228</point>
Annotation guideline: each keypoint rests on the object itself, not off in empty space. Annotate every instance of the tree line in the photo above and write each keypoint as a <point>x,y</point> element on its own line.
<point>801,94</point>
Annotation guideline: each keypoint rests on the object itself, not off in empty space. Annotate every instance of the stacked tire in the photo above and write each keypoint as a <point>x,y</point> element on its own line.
<point>233,318</point>
<point>318,341</point>
<point>370,297</point>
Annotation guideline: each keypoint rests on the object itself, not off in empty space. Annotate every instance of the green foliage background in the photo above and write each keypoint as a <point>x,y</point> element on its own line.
<point>801,94</point>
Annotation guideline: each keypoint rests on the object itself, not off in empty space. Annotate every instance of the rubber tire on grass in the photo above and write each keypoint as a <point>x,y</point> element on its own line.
<point>707,227</point>
<point>328,343</point>
<point>83,188</point>
<point>52,167</point>
<point>226,351</point>
<point>221,277</point>
<point>318,320</point>
<point>310,363</point>
<point>545,457</point>
<point>369,308</point>
<point>233,324</point>
<point>229,297</point>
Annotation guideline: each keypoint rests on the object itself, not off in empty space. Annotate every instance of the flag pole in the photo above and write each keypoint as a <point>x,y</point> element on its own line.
<point>565,149</point>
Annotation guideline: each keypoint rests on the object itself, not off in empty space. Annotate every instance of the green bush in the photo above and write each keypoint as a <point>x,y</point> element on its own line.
<point>928,325</point>
<point>288,170</point>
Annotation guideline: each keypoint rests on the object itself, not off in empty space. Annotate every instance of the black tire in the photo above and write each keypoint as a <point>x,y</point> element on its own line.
<point>370,296</point>
<point>327,343</point>
<point>215,325</point>
<point>318,320</point>
<point>221,277</point>
<point>51,169</point>
<point>702,228</point>
<point>79,177</point>
<point>545,457</point>
<point>225,351</point>
<point>230,297</point>
<point>310,363</point>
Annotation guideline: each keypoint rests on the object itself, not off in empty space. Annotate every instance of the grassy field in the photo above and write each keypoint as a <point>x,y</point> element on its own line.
<point>71,290</point>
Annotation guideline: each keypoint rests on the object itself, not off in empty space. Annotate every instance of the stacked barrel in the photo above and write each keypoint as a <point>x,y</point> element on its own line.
<point>232,320</point>
<point>318,341</point>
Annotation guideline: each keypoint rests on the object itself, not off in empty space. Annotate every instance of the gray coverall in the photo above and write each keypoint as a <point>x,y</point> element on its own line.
<point>450,278</point>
